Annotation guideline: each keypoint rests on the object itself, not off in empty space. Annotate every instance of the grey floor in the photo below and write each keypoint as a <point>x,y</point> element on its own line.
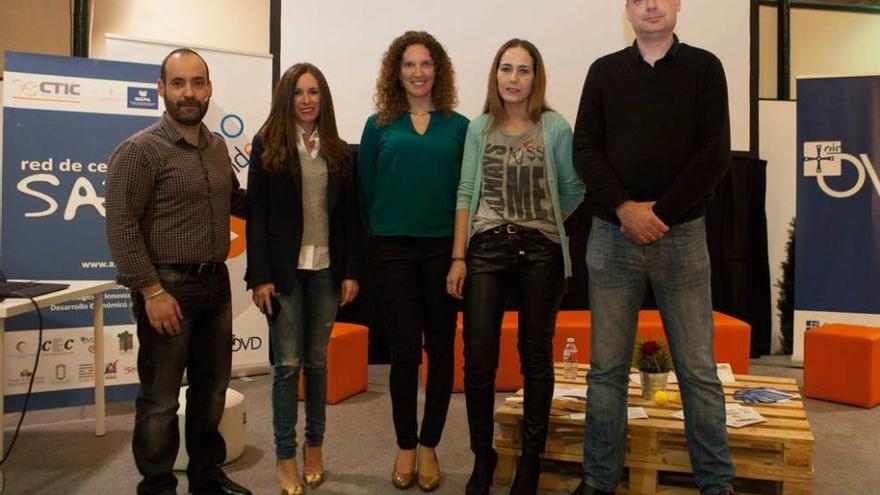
<point>57,451</point>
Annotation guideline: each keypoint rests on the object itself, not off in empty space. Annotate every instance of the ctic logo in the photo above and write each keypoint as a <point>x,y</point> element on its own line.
<point>60,372</point>
<point>21,346</point>
<point>25,87</point>
<point>825,158</point>
<point>29,89</point>
<point>126,341</point>
<point>249,344</point>
<point>146,98</point>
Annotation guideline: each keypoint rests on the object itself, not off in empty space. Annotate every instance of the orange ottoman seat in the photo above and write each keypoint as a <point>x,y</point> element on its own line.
<point>842,364</point>
<point>346,362</point>
<point>731,344</point>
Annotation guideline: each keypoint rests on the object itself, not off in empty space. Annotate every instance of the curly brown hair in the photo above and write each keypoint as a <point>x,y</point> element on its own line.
<point>390,97</point>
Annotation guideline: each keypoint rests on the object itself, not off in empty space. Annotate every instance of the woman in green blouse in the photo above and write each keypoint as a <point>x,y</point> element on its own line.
<point>408,169</point>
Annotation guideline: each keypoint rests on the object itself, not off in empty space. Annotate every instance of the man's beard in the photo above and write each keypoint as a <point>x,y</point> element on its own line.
<point>182,113</point>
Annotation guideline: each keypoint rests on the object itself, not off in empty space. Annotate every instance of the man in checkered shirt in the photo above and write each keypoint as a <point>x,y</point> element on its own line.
<point>170,190</point>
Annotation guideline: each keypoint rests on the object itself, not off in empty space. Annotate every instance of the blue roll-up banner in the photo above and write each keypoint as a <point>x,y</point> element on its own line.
<point>62,118</point>
<point>837,259</point>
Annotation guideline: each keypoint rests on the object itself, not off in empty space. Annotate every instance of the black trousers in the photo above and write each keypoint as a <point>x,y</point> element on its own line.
<point>204,349</point>
<point>501,262</point>
<point>410,275</point>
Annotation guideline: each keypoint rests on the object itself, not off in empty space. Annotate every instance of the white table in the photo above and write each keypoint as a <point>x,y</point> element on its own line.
<point>77,289</point>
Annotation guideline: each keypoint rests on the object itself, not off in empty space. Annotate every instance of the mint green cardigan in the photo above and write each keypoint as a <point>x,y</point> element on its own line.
<point>566,187</point>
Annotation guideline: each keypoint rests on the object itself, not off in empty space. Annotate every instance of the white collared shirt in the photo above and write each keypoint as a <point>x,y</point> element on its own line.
<point>314,139</point>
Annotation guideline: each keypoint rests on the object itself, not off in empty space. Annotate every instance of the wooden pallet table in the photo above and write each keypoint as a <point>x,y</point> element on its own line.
<point>771,457</point>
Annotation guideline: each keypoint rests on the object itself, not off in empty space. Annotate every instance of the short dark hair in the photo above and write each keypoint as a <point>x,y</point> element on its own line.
<point>182,51</point>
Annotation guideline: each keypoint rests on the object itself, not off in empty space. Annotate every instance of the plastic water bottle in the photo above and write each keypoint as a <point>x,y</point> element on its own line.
<point>569,360</point>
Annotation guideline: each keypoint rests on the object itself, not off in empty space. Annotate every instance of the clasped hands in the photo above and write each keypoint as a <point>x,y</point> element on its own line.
<point>639,223</point>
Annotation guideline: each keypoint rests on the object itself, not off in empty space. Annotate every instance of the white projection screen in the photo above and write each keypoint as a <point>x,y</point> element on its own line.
<point>346,40</point>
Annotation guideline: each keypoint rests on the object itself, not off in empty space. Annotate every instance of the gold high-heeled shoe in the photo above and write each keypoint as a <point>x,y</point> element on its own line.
<point>312,479</point>
<point>290,490</point>
<point>402,481</point>
<point>430,483</point>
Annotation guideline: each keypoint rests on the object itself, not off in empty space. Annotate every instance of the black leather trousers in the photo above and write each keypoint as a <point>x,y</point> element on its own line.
<point>504,262</point>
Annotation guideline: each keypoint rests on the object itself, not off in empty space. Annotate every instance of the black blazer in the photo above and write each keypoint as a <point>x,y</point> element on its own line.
<point>275,225</point>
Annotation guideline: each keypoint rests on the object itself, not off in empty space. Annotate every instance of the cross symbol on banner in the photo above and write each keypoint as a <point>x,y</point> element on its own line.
<point>818,158</point>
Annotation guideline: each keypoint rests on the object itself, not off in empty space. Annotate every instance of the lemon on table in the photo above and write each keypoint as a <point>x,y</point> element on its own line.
<point>661,398</point>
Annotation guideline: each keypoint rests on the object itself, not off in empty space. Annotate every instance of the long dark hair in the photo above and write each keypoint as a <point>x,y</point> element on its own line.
<point>279,130</point>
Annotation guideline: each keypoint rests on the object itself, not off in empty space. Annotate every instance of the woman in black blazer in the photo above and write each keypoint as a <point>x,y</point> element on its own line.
<point>304,237</point>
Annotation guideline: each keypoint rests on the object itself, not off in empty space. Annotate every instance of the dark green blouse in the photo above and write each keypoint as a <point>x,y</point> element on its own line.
<point>408,181</point>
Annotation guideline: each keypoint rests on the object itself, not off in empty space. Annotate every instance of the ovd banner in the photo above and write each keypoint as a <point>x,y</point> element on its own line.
<point>837,259</point>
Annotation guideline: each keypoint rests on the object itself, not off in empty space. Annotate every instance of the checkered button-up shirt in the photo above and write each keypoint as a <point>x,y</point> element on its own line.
<point>168,202</point>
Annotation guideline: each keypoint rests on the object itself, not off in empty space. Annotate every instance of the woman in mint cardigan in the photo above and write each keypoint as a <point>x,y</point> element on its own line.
<point>517,187</point>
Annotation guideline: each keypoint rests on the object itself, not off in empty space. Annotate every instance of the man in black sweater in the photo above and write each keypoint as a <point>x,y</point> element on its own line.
<point>652,140</point>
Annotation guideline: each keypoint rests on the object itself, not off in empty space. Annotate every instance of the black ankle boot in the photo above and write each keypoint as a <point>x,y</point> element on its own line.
<point>585,489</point>
<point>481,476</point>
<point>528,470</point>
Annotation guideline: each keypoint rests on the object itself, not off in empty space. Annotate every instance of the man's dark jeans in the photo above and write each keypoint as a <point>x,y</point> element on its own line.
<point>204,349</point>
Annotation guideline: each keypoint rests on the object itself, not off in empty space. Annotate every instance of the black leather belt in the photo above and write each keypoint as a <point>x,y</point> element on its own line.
<point>512,228</point>
<point>195,268</point>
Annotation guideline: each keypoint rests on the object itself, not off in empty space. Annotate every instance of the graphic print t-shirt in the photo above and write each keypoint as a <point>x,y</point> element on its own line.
<point>515,188</point>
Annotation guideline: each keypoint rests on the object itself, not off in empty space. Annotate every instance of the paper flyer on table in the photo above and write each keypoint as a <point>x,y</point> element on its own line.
<point>636,413</point>
<point>737,415</point>
<point>562,392</point>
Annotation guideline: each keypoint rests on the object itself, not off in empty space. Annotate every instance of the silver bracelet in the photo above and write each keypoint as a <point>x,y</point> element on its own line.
<point>154,294</point>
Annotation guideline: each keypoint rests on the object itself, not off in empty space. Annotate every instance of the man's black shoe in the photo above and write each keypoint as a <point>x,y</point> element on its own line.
<point>585,489</point>
<point>221,485</point>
